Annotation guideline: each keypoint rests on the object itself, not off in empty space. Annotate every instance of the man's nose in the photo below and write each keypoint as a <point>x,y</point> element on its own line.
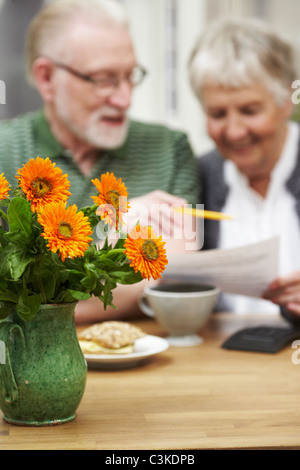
<point>121,97</point>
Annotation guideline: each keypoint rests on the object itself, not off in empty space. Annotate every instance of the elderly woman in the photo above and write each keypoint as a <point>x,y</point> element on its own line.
<point>242,73</point>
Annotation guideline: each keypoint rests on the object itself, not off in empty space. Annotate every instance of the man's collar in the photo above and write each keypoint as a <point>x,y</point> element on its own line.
<point>122,151</point>
<point>50,147</point>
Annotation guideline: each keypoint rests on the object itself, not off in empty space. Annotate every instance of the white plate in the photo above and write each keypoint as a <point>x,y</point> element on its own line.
<point>143,349</point>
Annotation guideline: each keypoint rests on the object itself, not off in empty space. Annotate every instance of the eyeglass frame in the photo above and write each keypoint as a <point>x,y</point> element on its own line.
<point>115,80</point>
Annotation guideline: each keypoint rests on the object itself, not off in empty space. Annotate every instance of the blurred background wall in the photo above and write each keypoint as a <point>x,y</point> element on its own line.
<point>164,32</point>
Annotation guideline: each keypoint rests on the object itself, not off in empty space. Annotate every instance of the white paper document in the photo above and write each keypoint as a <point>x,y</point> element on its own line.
<point>247,270</point>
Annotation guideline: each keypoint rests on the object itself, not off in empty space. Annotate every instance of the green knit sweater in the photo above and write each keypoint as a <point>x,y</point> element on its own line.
<point>153,157</point>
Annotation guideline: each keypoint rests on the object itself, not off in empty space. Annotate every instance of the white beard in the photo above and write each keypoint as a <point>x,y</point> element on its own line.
<point>102,135</point>
<point>93,131</point>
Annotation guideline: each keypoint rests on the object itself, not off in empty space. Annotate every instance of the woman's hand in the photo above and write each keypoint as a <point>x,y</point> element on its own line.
<point>285,291</point>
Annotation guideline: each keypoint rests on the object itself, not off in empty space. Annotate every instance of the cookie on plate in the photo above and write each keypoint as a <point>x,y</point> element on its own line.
<point>110,337</point>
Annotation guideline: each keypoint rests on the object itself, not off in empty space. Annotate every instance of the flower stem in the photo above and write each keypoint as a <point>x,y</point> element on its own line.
<point>3,215</point>
<point>39,280</point>
<point>114,251</point>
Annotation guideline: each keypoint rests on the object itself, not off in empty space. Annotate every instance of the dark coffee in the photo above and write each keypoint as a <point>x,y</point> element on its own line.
<point>182,288</point>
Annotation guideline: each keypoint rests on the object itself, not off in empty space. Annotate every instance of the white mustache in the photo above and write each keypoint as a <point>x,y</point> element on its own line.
<point>109,112</point>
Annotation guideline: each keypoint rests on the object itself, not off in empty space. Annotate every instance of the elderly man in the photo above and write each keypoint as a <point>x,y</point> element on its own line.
<point>81,58</point>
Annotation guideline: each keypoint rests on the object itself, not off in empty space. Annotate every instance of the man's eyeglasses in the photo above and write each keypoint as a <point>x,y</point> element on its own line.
<point>107,84</point>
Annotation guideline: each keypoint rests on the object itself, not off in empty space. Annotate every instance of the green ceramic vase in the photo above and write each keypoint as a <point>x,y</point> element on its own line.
<point>42,369</point>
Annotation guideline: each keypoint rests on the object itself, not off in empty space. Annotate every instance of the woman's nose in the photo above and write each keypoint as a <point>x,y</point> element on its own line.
<point>235,128</point>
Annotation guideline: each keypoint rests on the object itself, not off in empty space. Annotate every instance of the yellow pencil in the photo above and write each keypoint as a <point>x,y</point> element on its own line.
<point>203,213</point>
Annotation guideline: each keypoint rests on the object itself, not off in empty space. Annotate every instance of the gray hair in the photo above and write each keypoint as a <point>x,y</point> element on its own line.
<point>46,29</point>
<point>236,53</point>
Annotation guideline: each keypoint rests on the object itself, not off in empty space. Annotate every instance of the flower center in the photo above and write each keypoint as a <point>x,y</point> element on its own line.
<point>150,250</point>
<point>113,198</point>
<point>40,187</point>
<point>65,229</point>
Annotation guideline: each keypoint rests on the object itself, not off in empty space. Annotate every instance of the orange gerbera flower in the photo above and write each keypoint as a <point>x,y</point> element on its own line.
<point>42,183</point>
<point>146,252</point>
<point>112,199</point>
<point>66,229</point>
<point>4,187</point>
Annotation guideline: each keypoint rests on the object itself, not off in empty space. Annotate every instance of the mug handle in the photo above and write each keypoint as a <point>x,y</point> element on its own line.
<point>6,372</point>
<point>144,306</point>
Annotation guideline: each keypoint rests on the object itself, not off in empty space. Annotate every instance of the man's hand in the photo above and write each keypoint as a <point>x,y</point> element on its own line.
<point>156,209</point>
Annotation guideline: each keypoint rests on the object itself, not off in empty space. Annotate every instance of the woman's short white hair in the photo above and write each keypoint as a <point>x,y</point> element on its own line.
<point>44,34</point>
<point>237,53</point>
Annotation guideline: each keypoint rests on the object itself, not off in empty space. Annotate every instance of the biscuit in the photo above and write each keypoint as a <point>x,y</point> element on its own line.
<point>89,347</point>
<point>110,337</point>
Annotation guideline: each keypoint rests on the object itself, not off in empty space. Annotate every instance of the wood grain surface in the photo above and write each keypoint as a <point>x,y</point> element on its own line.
<point>201,397</point>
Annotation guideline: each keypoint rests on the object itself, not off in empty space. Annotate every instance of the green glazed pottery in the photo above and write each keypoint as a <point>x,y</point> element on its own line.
<point>42,368</point>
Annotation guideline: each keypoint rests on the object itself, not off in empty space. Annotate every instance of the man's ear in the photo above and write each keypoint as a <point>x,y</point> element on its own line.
<point>43,73</point>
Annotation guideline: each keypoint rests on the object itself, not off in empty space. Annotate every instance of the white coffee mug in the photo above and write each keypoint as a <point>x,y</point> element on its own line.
<point>181,309</point>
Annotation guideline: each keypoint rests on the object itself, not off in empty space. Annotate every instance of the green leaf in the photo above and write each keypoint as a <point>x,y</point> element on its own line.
<point>89,282</point>
<point>63,296</point>
<point>5,309</point>
<point>17,238</point>
<point>107,293</point>
<point>90,267</point>
<point>3,240</point>
<point>98,289</point>
<point>78,295</point>
<point>126,277</point>
<point>120,243</point>
<point>121,273</point>
<point>20,217</point>
<point>49,283</point>
<point>4,261</point>
<point>4,202</point>
<point>28,305</point>
<point>19,261</point>
<point>8,296</point>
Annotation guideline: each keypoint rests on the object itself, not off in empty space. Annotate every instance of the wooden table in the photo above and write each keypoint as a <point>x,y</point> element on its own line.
<point>202,397</point>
